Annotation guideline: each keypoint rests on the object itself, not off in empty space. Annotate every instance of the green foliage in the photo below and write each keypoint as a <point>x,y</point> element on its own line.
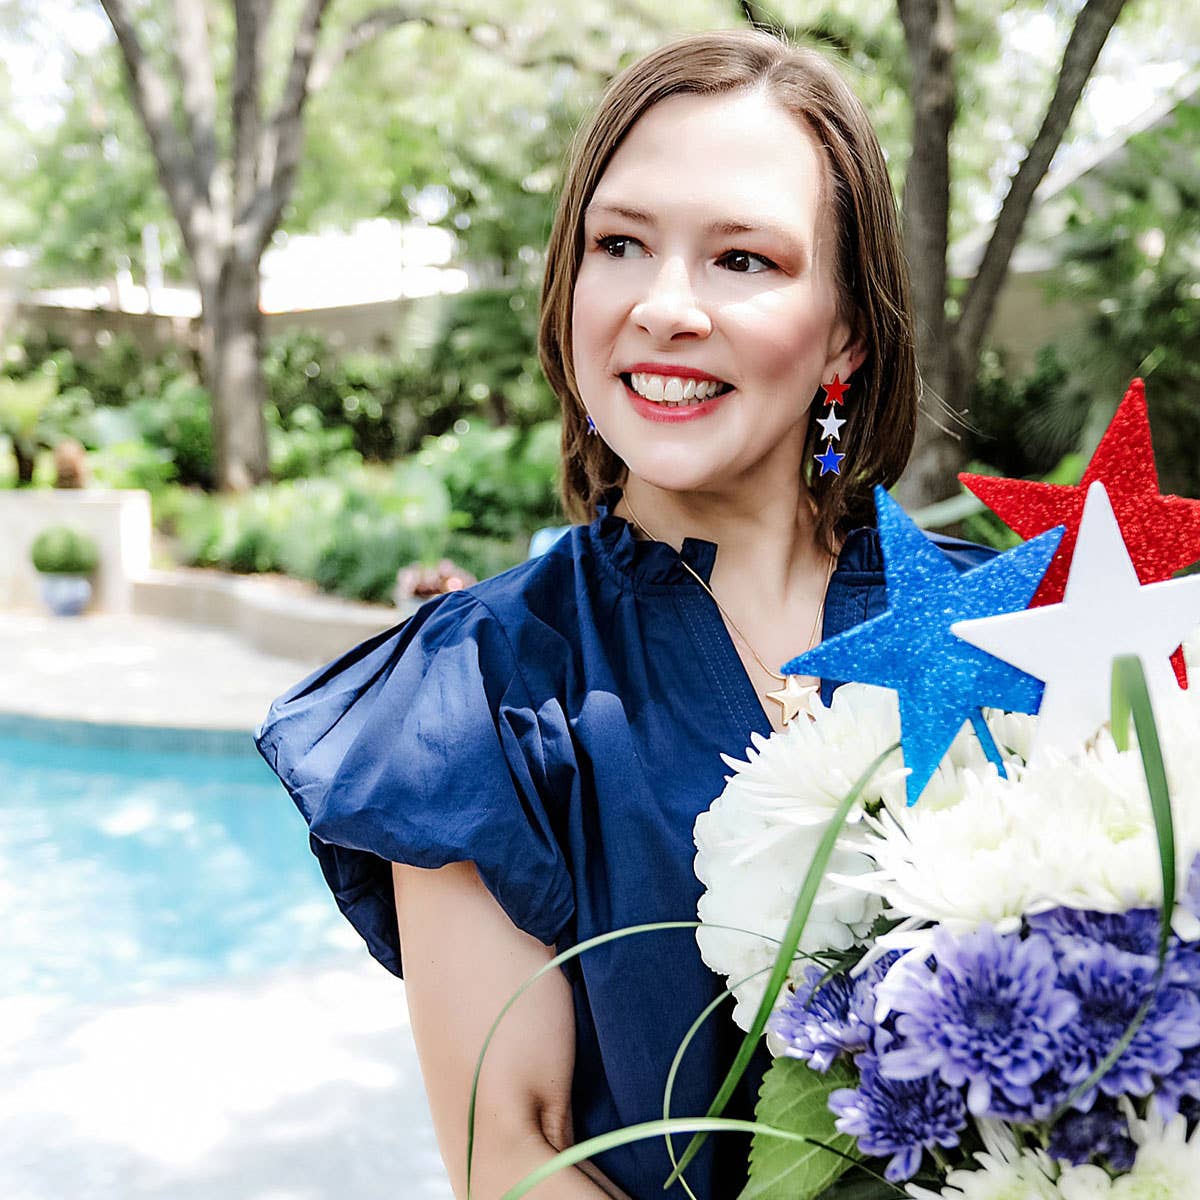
<point>1132,256</point>
<point>1022,427</point>
<point>63,550</point>
<point>795,1097</point>
<point>503,480</point>
<point>352,530</point>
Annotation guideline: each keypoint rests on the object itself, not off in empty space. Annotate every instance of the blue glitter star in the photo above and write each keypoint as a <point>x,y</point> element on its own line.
<point>831,460</point>
<point>942,681</point>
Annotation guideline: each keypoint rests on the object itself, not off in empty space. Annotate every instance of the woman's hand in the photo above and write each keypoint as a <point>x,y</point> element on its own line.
<point>463,959</point>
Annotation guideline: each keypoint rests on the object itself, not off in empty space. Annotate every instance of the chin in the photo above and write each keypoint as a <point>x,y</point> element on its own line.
<point>676,471</point>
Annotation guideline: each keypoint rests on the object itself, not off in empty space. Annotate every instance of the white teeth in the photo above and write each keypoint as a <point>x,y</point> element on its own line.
<point>671,390</point>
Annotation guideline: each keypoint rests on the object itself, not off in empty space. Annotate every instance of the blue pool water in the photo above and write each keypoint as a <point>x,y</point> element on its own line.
<point>127,871</point>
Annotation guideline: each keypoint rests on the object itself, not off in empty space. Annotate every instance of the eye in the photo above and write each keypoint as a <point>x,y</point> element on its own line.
<point>609,243</point>
<point>744,256</point>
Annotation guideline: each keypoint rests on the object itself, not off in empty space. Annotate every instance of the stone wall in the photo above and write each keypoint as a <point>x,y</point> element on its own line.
<point>119,520</point>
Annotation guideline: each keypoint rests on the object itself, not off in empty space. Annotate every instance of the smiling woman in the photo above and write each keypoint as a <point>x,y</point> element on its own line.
<point>519,767</point>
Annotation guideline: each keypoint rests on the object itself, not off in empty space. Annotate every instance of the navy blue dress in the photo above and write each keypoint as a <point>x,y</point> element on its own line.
<point>560,725</point>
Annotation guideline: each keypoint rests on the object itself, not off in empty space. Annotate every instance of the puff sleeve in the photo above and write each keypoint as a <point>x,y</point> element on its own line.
<point>422,745</point>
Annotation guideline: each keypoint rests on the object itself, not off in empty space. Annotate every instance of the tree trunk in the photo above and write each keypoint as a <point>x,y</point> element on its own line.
<point>232,352</point>
<point>930,35</point>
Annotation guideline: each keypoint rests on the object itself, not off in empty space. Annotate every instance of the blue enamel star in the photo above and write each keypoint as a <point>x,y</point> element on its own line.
<point>942,681</point>
<point>831,460</point>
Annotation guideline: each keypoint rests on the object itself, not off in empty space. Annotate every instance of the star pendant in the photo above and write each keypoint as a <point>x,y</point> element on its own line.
<point>835,391</point>
<point>830,460</point>
<point>793,697</point>
<point>831,426</point>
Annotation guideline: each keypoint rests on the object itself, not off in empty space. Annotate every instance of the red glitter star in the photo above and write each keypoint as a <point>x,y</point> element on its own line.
<point>835,391</point>
<point>1162,533</point>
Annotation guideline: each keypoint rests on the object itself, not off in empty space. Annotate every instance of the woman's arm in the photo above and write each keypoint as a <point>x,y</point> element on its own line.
<point>463,959</point>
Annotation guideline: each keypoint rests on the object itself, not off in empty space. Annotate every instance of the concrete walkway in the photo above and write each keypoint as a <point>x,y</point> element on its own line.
<point>300,1084</point>
<point>132,669</point>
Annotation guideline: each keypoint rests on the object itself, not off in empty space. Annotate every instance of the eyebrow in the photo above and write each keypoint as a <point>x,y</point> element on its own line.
<point>723,228</point>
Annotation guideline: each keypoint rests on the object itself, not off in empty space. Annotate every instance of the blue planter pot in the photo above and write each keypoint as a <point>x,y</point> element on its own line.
<point>66,595</point>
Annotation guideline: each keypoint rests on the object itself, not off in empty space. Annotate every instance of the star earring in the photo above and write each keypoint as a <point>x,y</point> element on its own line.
<point>831,427</point>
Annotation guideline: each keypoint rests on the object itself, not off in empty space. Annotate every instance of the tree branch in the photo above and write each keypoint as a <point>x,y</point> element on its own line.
<point>282,139</point>
<point>246,99</point>
<point>1091,30</point>
<point>193,59</point>
<point>152,102</point>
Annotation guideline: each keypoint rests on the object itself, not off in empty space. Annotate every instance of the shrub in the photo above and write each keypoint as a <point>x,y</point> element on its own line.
<point>63,550</point>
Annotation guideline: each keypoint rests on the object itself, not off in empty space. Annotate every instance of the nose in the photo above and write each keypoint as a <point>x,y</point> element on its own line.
<point>671,306</point>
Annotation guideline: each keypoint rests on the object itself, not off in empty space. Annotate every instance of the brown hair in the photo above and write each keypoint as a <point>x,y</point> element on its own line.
<point>871,272</point>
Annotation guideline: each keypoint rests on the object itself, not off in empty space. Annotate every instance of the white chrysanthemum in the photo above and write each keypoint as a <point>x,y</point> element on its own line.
<point>1075,831</point>
<point>1005,1172</point>
<point>1167,1164</point>
<point>755,843</point>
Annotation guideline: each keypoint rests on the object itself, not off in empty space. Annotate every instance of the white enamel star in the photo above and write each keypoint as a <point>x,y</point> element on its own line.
<point>830,425</point>
<point>1105,612</point>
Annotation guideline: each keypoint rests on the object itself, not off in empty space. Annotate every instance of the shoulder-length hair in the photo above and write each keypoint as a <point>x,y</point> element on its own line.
<point>871,273</point>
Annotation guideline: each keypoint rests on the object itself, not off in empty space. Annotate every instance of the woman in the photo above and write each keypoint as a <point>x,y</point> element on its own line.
<point>518,767</point>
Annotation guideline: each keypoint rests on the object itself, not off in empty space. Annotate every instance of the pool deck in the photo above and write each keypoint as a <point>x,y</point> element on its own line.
<point>295,1084</point>
<point>134,669</point>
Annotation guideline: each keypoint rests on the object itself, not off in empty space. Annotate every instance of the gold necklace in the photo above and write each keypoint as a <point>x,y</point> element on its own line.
<point>793,696</point>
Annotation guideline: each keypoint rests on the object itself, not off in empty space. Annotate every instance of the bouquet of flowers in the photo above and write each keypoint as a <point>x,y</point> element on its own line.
<point>991,990</point>
<point>962,900</point>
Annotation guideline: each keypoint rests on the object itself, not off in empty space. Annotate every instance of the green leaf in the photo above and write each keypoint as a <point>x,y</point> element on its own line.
<point>795,1097</point>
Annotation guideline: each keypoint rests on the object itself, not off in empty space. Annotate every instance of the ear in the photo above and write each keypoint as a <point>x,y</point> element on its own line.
<point>847,352</point>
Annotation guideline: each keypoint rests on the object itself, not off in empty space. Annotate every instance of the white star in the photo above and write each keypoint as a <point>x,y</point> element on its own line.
<point>830,426</point>
<point>1105,612</point>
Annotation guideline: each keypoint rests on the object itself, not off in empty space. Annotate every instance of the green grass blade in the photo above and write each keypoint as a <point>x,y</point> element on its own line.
<point>1129,680</point>
<point>1131,698</point>
<point>696,1025</point>
<point>787,951</point>
<point>637,1133</point>
<point>557,961</point>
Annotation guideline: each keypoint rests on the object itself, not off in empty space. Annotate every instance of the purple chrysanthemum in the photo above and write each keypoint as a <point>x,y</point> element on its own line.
<point>1181,1085</point>
<point>1135,932</point>
<point>1102,1133</point>
<point>898,1117</point>
<point>1110,987</point>
<point>990,1016</point>
<point>828,1015</point>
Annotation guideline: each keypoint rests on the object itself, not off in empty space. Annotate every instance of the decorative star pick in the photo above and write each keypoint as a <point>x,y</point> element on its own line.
<point>792,697</point>
<point>941,680</point>
<point>835,391</point>
<point>1162,533</point>
<point>1105,612</point>
<point>831,426</point>
<point>830,460</point>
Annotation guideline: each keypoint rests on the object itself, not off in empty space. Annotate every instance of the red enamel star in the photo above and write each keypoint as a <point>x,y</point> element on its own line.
<point>835,391</point>
<point>1161,533</point>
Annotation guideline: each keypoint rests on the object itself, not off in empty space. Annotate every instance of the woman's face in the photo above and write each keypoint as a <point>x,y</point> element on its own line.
<point>709,252</point>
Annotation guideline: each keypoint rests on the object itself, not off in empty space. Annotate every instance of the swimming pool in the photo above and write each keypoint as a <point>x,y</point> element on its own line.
<point>127,869</point>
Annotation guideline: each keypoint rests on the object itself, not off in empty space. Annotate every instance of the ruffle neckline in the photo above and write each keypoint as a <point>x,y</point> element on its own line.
<point>653,562</point>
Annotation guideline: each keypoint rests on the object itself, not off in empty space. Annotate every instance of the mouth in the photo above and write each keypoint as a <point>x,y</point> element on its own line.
<point>671,391</point>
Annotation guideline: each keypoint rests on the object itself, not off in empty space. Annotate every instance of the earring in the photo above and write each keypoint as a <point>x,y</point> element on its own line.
<point>591,425</point>
<point>831,426</point>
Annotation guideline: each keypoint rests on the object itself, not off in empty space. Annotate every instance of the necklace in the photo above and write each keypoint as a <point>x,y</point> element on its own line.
<point>793,695</point>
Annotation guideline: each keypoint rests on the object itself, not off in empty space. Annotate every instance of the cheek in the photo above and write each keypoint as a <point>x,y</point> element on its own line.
<point>779,335</point>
